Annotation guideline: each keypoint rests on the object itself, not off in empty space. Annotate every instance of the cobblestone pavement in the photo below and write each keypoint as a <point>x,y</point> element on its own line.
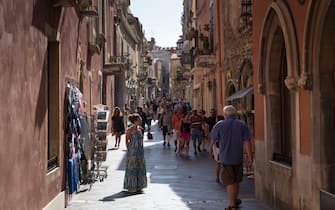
<point>173,183</point>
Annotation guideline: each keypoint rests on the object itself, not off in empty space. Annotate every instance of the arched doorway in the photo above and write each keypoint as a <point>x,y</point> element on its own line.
<point>247,102</point>
<point>320,57</point>
<point>230,90</point>
<point>279,101</point>
<point>327,98</point>
<point>277,81</point>
<point>277,77</point>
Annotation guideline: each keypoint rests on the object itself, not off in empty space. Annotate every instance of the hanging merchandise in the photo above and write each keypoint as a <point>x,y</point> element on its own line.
<point>77,137</point>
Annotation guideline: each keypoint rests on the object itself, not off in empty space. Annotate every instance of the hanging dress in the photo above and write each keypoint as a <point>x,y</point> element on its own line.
<point>135,178</point>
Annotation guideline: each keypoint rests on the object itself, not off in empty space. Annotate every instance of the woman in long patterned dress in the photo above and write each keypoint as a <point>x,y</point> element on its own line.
<point>135,178</point>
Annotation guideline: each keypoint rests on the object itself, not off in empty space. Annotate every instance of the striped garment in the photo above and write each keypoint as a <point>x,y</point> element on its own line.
<point>196,122</point>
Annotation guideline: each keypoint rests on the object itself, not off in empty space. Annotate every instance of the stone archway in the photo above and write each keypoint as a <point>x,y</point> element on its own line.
<point>279,15</point>
<point>230,89</point>
<point>246,72</point>
<point>247,102</point>
<point>320,57</point>
<point>278,76</point>
<point>278,80</point>
<point>246,80</point>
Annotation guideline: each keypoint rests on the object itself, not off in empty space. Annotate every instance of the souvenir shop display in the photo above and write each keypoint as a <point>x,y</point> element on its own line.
<point>85,146</point>
<point>77,137</point>
<point>101,116</point>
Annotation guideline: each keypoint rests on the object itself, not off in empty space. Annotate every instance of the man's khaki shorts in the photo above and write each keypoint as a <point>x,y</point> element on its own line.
<point>231,174</point>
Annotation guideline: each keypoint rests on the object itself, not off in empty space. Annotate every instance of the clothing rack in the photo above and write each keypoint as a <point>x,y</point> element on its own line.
<point>77,137</point>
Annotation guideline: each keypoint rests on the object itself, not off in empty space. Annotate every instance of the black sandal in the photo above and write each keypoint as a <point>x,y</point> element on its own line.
<point>238,202</point>
<point>231,207</point>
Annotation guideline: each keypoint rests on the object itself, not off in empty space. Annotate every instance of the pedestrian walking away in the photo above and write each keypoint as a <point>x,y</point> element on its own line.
<point>176,124</point>
<point>135,178</point>
<point>125,114</point>
<point>143,118</point>
<point>166,124</point>
<point>196,130</point>
<point>117,125</point>
<point>185,134</point>
<point>205,130</point>
<point>148,115</point>
<point>233,136</point>
<point>212,119</point>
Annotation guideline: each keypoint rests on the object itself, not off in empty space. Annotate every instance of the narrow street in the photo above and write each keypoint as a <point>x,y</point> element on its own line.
<point>173,183</point>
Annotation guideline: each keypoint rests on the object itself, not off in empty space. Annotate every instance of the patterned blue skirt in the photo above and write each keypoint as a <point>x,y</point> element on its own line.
<point>135,178</point>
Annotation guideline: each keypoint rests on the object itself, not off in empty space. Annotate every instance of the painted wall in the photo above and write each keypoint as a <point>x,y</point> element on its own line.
<point>25,26</point>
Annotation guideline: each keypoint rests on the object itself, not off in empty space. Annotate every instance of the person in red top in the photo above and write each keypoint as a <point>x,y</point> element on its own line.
<point>185,133</point>
<point>176,124</point>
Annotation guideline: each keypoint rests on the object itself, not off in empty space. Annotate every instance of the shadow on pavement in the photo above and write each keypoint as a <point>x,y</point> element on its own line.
<point>122,194</point>
<point>192,180</point>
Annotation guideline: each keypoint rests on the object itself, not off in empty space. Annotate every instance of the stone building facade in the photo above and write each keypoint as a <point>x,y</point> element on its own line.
<point>237,56</point>
<point>177,80</point>
<point>218,49</point>
<point>128,53</point>
<point>163,55</point>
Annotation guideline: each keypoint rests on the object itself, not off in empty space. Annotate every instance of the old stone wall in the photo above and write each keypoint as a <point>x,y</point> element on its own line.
<point>237,39</point>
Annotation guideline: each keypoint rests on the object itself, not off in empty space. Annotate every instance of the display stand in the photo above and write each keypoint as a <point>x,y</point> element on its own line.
<point>99,143</point>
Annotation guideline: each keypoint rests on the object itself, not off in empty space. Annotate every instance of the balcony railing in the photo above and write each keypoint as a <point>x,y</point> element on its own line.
<point>118,59</point>
<point>204,60</point>
<point>142,75</point>
<point>187,59</point>
<point>116,64</point>
<point>151,81</point>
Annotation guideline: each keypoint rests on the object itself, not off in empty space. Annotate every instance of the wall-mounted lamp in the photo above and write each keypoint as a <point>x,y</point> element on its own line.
<point>116,20</point>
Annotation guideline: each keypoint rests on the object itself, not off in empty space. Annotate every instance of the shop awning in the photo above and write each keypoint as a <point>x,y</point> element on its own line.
<point>241,93</point>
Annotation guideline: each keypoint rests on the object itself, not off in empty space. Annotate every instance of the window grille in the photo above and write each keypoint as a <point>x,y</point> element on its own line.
<point>246,11</point>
